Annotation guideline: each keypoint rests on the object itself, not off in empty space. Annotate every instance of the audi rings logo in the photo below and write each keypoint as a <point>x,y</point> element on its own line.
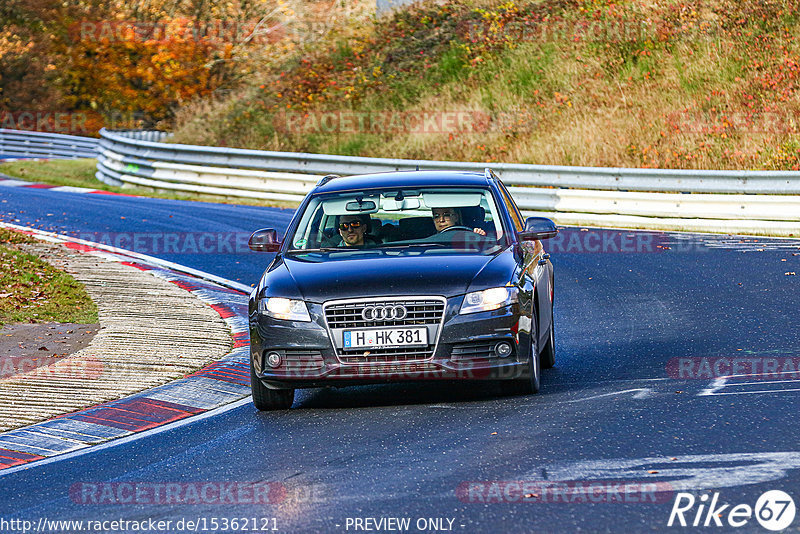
<point>384,313</point>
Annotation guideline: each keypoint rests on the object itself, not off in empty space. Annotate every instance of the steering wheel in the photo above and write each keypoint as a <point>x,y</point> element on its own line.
<point>464,228</point>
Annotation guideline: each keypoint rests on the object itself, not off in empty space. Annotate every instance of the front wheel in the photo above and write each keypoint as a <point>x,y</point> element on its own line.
<point>269,399</point>
<point>548,357</point>
<point>529,383</point>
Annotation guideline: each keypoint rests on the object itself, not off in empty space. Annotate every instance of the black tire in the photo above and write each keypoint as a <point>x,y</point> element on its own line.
<point>269,399</point>
<point>529,383</point>
<point>547,359</point>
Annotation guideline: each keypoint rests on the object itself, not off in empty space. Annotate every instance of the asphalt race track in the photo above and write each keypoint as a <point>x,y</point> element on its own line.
<point>648,327</point>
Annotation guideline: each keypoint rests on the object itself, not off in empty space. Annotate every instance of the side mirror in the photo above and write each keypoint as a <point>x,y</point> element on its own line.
<point>538,228</point>
<point>264,240</point>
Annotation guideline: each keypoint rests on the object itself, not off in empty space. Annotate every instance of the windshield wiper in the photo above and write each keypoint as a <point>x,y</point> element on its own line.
<point>321,249</point>
<point>411,245</point>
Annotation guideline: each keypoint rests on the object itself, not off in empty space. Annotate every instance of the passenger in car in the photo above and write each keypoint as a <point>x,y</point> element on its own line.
<point>355,231</point>
<point>444,218</point>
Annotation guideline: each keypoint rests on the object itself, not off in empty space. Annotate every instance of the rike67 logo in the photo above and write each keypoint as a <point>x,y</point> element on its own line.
<point>774,510</point>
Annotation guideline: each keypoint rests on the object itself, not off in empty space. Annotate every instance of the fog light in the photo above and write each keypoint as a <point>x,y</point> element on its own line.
<point>273,359</point>
<point>503,349</point>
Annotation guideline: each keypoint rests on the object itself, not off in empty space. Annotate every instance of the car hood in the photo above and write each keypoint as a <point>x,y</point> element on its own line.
<point>447,275</point>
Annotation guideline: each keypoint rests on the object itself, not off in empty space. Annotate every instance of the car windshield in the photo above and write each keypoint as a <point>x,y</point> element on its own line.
<point>425,220</point>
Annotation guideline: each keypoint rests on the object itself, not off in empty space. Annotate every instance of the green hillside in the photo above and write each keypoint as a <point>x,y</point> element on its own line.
<point>566,82</point>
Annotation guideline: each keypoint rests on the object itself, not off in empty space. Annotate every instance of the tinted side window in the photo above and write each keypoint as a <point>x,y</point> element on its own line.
<point>519,224</point>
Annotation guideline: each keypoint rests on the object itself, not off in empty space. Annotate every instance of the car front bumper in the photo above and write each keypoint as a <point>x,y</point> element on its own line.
<point>465,349</point>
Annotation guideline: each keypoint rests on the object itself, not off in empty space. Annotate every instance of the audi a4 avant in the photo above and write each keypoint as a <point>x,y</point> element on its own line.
<point>402,276</point>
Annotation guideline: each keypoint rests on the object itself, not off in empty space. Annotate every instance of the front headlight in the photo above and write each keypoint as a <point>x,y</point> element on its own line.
<point>489,299</point>
<point>281,308</point>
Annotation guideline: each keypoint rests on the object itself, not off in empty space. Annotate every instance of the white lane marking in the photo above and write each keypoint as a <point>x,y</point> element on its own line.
<point>641,393</point>
<point>728,382</point>
<point>756,391</point>
<point>690,472</point>
<point>71,189</point>
<point>609,381</point>
<point>762,382</point>
<point>14,183</point>
<point>713,387</point>
<point>127,439</point>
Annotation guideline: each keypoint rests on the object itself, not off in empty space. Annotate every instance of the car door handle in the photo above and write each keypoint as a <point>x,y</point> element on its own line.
<point>544,259</point>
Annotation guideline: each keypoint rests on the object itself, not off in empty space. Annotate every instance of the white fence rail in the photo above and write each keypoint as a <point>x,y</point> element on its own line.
<point>28,144</point>
<point>761,202</point>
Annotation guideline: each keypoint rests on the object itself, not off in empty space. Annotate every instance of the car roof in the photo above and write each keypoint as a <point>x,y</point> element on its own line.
<point>403,179</point>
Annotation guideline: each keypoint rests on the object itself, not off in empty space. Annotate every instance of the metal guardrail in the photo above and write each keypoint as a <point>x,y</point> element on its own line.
<point>383,7</point>
<point>717,201</point>
<point>143,135</point>
<point>618,179</point>
<point>28,144</point>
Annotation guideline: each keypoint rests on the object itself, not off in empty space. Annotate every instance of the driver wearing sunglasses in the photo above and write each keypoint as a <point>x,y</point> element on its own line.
<point>354,230</point>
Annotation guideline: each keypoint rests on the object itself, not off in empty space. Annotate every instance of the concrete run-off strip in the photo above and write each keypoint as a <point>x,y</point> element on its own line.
<point>171,346</point>
<point>151,332</point>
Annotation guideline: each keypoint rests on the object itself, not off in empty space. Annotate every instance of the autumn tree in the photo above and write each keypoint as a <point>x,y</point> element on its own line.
<point>135,62</point>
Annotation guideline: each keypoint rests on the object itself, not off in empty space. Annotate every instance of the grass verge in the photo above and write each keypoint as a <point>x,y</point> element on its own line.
<point>671,84</point>
<point>34,291</point>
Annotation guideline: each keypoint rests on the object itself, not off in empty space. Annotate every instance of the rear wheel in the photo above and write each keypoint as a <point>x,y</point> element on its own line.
<point>269,399</point>
<point>547,358</point>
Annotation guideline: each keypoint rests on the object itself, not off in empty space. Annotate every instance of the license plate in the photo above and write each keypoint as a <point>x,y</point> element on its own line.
<point>385,337</point>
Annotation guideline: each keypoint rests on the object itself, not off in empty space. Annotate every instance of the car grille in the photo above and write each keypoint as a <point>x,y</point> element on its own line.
<point>348,315</point>
<point>296,362</point>
<point>476,351</point>
<point>473,351</point>
<point>396,354</point>
<point>304,359</point>
<point>382,370</point>
<point>421,312</point>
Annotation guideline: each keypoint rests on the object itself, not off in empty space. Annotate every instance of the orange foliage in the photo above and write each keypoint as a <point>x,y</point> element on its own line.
<point>132,61</point>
